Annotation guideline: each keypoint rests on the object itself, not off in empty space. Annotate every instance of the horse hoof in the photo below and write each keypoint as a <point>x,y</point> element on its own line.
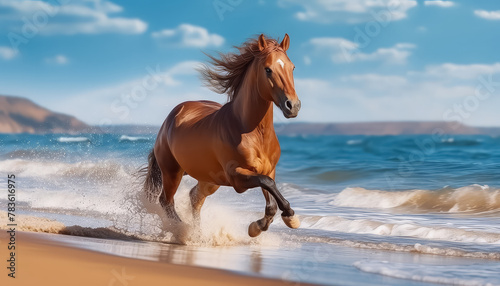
<point>254,229</point>
<point>291,221</point>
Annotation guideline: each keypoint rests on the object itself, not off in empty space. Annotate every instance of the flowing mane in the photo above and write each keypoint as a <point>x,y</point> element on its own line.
<point>226,74</point>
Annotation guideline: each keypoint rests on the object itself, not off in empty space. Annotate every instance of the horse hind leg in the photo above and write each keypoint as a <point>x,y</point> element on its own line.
<point>256,227</point>
<point>170,184</point>
<point>198,194</point>
<point>171,175</point>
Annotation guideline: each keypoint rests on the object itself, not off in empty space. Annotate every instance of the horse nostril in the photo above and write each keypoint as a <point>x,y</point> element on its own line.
<point>288,104</point>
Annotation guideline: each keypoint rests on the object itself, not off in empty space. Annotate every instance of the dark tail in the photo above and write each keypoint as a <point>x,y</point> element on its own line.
<point>152,178</point>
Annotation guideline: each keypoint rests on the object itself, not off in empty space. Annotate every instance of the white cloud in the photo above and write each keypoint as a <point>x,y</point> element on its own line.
<point>340,50</point>
<point>187,68</point>
<point>436,93</point>
<point>421,29</point>
<point>75,17</point>
<point>57,60</point>
<point>419,95</point>
<point>7,53</point>
<point>146,99</point>
<point>488,15</point>
<point>450,71</point>
<point>307,60</point>
<point>439,3</point>
<point>350,11</point>
<point>375,81</point>
<point>188,35</point>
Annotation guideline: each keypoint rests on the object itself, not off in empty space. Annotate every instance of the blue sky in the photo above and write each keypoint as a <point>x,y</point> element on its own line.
<point>132,61</point>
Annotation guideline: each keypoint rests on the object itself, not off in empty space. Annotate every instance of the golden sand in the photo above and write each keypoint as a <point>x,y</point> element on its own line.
<point>42,261</point>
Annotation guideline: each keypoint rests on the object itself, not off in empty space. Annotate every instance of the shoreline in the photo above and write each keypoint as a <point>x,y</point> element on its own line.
<point>43,260</point>
<point>56,258</point>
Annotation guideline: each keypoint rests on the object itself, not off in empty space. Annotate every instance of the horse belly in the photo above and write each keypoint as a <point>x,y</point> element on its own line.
<point>192,148</point>
<point>197,160</point>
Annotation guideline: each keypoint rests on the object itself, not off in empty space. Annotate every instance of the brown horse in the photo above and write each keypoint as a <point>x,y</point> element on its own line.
<point>232,144</point>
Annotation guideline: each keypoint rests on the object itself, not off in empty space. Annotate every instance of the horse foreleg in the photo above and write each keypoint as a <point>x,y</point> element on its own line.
<point>243,179</point>
<point>256,227</point>
<point>198,194</point>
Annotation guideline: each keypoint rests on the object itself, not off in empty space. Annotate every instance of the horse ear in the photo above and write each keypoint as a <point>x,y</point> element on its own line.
<point>262,42</point>
<point>285,43</point>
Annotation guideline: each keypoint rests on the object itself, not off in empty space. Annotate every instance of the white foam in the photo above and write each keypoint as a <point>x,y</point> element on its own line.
<point>467,275</point>
<point>367,226</point>
<point>72,139</point>
<point>220,225</point>
<point>104,171</point>
<point>473,198</point>
<point>362,198</point>
<point>132,138</point>
<point>78,201</point>
<point>354,142</point>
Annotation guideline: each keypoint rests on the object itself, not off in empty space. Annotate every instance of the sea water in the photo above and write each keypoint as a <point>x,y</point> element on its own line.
<point>385,210</point>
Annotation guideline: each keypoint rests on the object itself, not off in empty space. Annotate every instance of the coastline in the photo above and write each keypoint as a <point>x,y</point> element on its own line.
<point>44,260</point>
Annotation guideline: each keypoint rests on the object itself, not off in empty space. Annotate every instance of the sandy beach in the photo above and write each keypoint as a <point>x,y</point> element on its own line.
<point>44,260</point>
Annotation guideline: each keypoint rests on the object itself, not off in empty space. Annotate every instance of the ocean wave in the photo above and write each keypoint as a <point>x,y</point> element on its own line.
<point>125,138</point>
<point>104,171</point>
<point>451,141</point>
<point>73,139</point>
<point>478,274</point>
<point>354,142</point>
<point>471,199</point>
<point>422,247</point>
<point>406,229</point>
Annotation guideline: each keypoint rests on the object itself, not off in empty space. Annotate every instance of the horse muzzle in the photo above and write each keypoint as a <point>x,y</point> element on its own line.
<point>290,108</point>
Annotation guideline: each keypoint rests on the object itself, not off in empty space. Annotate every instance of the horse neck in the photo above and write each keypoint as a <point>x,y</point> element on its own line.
<point>250,108</point>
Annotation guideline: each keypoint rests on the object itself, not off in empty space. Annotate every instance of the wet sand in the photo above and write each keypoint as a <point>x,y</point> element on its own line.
<point>43,259</point>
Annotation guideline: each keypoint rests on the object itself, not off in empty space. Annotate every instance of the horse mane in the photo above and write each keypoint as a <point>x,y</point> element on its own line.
<point>226,73</point>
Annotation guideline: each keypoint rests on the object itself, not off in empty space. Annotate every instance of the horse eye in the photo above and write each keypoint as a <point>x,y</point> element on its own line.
<point>268,70</point>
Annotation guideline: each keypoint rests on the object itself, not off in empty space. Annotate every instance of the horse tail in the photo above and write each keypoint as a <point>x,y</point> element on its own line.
<point>151,174</point>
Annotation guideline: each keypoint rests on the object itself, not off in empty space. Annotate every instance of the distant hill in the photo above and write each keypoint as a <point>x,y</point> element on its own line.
<point>354,128</point>
<point>21,115</point>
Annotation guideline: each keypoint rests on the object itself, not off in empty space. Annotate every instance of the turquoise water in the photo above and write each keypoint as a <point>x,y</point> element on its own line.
<point>382,162</point>
<point>436,197</point>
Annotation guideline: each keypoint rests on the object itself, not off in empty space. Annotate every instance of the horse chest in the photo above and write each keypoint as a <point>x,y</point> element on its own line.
<point>262,158</point>
<point>262,164</point>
